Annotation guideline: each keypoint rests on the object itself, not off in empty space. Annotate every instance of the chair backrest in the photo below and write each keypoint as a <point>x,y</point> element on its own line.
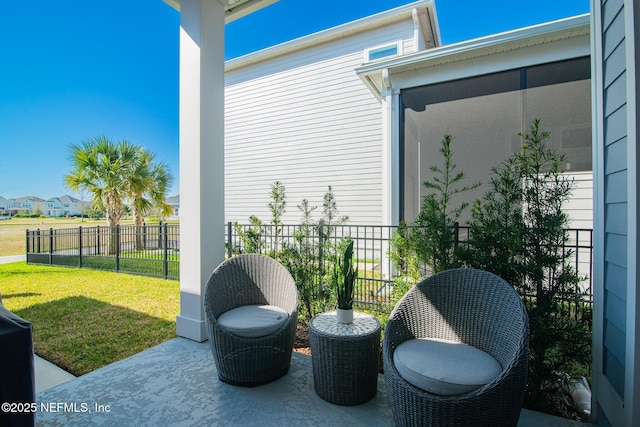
<point>249,279</point>
<point>472,306</point>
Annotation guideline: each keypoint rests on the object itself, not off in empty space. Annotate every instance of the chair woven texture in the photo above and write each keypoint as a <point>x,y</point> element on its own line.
<point>474,307</point>
<point>250,279</point>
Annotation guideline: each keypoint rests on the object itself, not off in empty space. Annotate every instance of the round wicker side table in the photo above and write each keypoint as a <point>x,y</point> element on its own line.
<point>345,357</point>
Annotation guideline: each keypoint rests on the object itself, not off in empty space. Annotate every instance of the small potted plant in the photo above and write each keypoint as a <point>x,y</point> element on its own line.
<point>345,279</point>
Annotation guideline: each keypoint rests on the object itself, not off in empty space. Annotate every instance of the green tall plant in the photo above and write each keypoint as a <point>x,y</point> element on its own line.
<point>326,226</point>
<point>435,234</point>
<point>301,259</point>
<point>277,206</point>
<point>330,214</point>
<point>345,274</point>
<point>432,238</point>
<point>518,229</point>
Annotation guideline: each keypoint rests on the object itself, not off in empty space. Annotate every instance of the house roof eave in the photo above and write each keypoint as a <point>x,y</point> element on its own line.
<point>371,74</point>
<point>354,27</point>
<point>234,9</point>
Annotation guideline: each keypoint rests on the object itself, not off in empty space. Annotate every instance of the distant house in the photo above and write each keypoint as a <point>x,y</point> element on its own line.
<point>174,202</point>
<point>54,207</point>
<point>25,205</point>
<point>66,206</point>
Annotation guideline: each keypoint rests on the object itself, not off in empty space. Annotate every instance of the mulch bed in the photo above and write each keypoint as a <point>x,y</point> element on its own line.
<point>301,344</point>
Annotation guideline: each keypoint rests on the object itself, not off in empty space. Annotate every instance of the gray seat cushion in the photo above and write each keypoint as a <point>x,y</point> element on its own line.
<point>252,321</point>
<point>444,367</point>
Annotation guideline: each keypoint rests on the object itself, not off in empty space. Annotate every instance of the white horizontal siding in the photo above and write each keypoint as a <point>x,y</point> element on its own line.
<point>579,207</point>
<point>357,42</point>
<point>307,120</point>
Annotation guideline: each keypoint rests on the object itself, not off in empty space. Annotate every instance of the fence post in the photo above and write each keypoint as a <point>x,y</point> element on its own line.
<point>117,247</point>
<point>39,243</point>
<point>229,240</point>
<point>51,246</point>
<point>320,252</point>
<point>96,241</point>
<point>456,230</point>
<point>166,252</point>
<point>144,235</point>
<point>80,247</point>
<point>160,235</point>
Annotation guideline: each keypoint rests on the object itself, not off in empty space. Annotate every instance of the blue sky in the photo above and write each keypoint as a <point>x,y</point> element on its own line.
<point>81,68</point>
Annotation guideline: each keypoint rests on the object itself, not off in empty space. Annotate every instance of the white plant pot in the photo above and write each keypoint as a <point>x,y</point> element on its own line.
<point>345,316</point>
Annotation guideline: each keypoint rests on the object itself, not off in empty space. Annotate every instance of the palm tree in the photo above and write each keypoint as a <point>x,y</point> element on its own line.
<point>147,189</point>
<point>103,168</point>
<point>116,172</point>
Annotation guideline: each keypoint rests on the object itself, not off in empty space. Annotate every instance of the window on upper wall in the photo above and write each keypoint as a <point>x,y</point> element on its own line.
<point>384,51</point>
<point>485,115</point>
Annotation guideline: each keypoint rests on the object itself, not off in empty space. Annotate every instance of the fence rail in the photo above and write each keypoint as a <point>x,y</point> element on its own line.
<point>155,250</point>
<point>371,245</point>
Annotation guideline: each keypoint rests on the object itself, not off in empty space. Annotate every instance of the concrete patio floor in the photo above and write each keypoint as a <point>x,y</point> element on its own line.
<point>175,384</point>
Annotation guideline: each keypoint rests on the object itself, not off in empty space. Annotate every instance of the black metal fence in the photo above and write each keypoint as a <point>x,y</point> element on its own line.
<point>148,249</point>
<point>155,250</point>
<point>371,246</point>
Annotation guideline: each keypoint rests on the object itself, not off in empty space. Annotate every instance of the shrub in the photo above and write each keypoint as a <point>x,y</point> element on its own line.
<point>310,255</point>
<point>518,229</point>
<point>435,234</point>
<point>431,240</point>
<point>405,260</point>
<point>251,238</point>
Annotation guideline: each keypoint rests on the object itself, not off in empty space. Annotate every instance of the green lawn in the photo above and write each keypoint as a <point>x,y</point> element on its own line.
<point>13,231</point>
<point>85,319</point>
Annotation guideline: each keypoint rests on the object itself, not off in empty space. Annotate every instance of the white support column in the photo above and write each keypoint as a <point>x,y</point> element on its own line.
<point>390,152</point>
<point>390,161</point>
<point>201,157</point>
